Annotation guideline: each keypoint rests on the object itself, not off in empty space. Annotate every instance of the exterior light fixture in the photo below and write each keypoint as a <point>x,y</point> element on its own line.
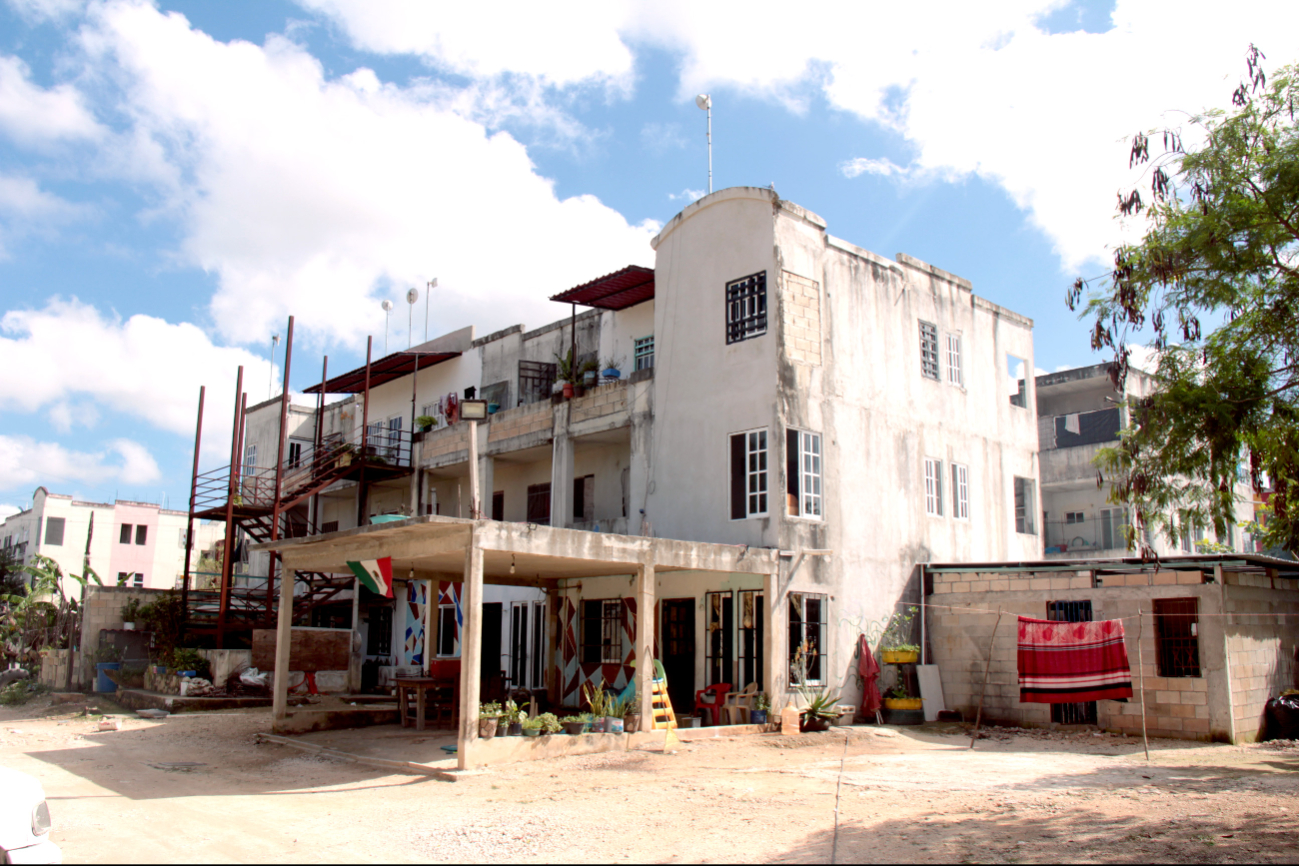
<point>705,103</point>
<point>387,308</point>
<point>411,297</point>
<point>473,410</point>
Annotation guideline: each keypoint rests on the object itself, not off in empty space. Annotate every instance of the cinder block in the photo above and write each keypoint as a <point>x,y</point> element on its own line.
<point>1039,583</point>
<point>1194,698</point>
<point>1165,578</point>
<point>961,586</point>
<point>1080,583</point>
<point>979,586</point>
<point>1164,697</point>
<point>1020,584</point>
<point>1199,726</point>
<point>1060,582</point>
<point>1189,577</point>
<point>1001,585</point>
<point>1201,711</point>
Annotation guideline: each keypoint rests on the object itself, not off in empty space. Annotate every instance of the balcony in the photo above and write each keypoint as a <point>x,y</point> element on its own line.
<point>1093,536</point>
<point>1078,428</point>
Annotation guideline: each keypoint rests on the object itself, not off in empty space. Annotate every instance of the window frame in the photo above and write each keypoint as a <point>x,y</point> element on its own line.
<point>1025,505</point>
<point>62,524</point>
<point>955,372</point>
<point>750,486</point>
<point>930,360</point>
<point>613,614</point>
<point>746,308</point>
<point>960,491</point>
<point>643,353</point>
<point>125,534</point>
<point>141,534</point>
<point>1167,646</point>
<point>933,475</point>
<point>804,474</point>
<point>799,626</point>
<point>446,633</point>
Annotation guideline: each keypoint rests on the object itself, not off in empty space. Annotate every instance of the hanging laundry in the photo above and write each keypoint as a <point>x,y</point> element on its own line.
<point>1072,662</point>
<point>1072,425</point>
<point>869,670</point>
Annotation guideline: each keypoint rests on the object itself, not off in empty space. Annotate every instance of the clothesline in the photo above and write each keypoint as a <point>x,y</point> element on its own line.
<point>1129,616</point>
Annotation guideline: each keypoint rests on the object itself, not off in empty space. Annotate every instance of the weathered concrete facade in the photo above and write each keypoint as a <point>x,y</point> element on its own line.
<point>1247,619</point>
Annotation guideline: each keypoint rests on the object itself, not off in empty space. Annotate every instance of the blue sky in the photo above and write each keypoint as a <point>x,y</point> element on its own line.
<point>177,178</point>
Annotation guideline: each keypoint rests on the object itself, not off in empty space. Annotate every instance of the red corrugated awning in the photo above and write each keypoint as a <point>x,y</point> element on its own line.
<point>617,291</point>
<point>385,369</point>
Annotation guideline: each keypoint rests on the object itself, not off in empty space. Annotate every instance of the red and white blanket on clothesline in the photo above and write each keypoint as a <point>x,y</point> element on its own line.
<point>1071,662</point>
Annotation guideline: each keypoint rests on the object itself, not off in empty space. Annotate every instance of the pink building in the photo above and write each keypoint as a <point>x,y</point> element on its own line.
<point>134,539</point>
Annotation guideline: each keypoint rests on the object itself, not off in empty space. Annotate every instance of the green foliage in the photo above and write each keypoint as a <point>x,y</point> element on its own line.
<point>165,617</point>
<point>425,421</point>
<point>45,617</point>
<point>547,722</point>
<point>820,703</point>
<point>106,653</point>
<point>600,701</point>
<point>190,660</point>
<point>762,702</point>
<point>897,634</point>
<point>580,717</point>
<point>489,710</point>
<point>1215,278</point>
<point>131,610</point>
<point>19,693</point>
<point>512,713</point>
<point>565,371</point>
<point>899,691</point>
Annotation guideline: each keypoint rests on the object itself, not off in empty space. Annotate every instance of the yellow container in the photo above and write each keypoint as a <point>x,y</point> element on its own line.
<point>899,657</point>
<point>904,703</point>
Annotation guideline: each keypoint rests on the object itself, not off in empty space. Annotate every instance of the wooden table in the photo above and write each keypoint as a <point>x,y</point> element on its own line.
<point>420,685</point>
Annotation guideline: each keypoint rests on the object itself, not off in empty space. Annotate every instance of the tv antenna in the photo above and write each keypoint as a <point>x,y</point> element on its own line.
<point>387,308</point>
<point>705,103</point>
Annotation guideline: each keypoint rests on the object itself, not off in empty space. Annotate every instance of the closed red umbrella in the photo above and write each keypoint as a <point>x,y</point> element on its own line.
<point>869,670</point>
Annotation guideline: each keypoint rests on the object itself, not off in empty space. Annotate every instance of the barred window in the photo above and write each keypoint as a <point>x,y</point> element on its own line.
<point>929,350</point>
<point>643,351</point>
<point>746,307</point>
<point>602,631</point>
<point>807,628</point>
<point>1177,637</point>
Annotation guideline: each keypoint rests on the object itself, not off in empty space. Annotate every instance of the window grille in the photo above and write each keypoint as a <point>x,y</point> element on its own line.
<point>643,352</point>
<point>960,492</point>
<point>929,350</point>
<point>954,376</point>
<point>752,637</point>
<point>1177,642</point>
<point>1084,712</point>
<point>720,649</point>
<point>539,503</point>
<point>535,381</point>
<point>803,473</point>
<point>933,487</point>
<point>746,307</point>
<point>602,621</point>
<point>379,639</point>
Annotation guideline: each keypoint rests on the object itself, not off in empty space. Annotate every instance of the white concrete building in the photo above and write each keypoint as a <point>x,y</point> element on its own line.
<point>136,544</point>
<point>780,388</point>
<point>1079,413</point>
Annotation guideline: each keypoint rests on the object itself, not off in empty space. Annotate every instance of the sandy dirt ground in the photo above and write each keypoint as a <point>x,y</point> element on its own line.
<point>902,795</point>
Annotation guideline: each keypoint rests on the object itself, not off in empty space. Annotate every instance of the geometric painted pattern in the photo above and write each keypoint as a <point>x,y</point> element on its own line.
<point>416,605</point>
<point>575,674</point>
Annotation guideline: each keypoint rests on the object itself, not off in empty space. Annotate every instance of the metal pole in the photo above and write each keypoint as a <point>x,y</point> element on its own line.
<point>1141,680</point>
<point>232,487</point>
<point>279,470</point>
<point>572,350</point>
<point>316,466</point>
<point>365,431</point>
<point>978,716</point>
<point>710,147</point>
<point>193,485</point>
<point>474,510</point>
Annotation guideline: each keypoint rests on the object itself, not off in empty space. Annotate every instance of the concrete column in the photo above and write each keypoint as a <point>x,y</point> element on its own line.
<point>561,474</point>
<point>642,427</point>
<point>486,473</point>
<point>775,661</point>
<point>283,637</point>
<point>471,651</point>
<point>645,595</point>
<point>358,652</point>
<point>554,663</point>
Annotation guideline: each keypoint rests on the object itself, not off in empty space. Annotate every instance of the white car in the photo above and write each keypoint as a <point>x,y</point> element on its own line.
<point>24,821</point>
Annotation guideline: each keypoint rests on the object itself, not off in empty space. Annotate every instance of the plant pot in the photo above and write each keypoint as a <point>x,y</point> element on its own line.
<point>688,722</point>
<point>597,725</point>
<point>532,732</point>
<point>568,390</point>
<point>515,730</point>
<point>573,729</point>
<point>904,703</point>
<point>631,723</point>
<point>899,657</point>
<point>102,682</point>
<point>493,408</point>
<point>128,626</point>
<point>757,717</point>
<point>612,725</point>
<point>579,390</point>
<point>487,728</point>
<point>813,724</point>
<point>612,373</point>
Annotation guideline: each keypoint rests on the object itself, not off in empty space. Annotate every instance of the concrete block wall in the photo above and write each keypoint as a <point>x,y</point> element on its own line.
<point>1260,645</point>
<point>605,400</point>
<point>103,610</point>
<point>801,319</point>
<point>446,441</point>
<point>1189,708</point>
<point>532,419</point>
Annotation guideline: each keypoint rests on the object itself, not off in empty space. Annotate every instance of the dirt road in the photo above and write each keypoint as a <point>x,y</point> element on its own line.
<point>903,796</point>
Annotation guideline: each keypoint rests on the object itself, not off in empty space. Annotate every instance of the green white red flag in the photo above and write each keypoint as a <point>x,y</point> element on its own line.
<point>375,574</point>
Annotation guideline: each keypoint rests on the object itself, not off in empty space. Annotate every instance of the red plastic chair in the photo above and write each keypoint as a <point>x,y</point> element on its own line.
<point>718,693</point>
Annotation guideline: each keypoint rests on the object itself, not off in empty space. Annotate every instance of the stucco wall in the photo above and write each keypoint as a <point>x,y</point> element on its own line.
<point>1261,647</point>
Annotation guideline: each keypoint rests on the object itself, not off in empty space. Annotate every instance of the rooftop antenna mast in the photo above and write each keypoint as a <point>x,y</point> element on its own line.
<point>270,373</point>
<point>705,103</point>
<point>432,284</point>
<point>411,297</point>
<point>387,308</point>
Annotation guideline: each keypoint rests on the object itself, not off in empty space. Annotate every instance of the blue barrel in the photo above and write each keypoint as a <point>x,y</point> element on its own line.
<point>102,682</point>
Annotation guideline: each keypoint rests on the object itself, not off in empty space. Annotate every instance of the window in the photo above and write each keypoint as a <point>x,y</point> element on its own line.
<point>1025,505</point>
<point>125,537</point>
<point>250,458</point>
<point>1073,517</point>
<point>933,487</point>
<point>1081,713</point>
<point>138,580</point>
<point>1114,522</point>
<point>602,631</point>
<point>1017,370</point>
<point>584,498</point>
<point>746,307</point>
<point>535,381</point>
<point>182,539</point>
<point>720,650</point>
<point>960,492</point>
<point>498,505</point>
<point>379,639</point>
<point>539,503</point>
<point>929,351</point>
<point>748,474</point>
<point>807,616</point>
<point>329,526</point>
<point>447,631</point>
<point>123,577</point>
<point>803,473</point>
<point>141,534</point>
<point>1177,641</point>
<point>752,637</point>
<point>643,352</point>
<point>54,531</point>
<point>954,376</point>
<point>295,454</point>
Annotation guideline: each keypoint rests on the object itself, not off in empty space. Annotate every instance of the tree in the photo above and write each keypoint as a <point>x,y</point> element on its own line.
<point>1216,279</point>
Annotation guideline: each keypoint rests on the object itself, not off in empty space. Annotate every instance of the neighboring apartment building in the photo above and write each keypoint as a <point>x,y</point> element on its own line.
<point>129,543</point>
<point>1079,413</point>
<point>781,388</point>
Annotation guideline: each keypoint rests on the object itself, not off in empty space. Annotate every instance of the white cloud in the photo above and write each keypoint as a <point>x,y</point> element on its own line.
<point>25,462</point>
<point>318,196</point>
<point>686,195</point>
<point>659,138</point>
<point>70,359</point>
<point>7,510</point>
<point>34,116</point>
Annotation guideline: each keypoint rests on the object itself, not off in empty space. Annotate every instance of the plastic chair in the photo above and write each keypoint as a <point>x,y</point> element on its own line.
<point>717,691</point>
<point>736,710</point>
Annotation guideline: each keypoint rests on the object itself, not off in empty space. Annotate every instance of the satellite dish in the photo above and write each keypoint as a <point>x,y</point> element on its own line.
<point>387,306</point>
<point>412,296</point>
<point>704,101</point>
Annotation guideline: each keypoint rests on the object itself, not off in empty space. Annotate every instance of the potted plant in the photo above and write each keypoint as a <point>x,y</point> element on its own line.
<point>598,700</point>
<point>425,423</point>
<point>532,727</point>
<point>895,645</point>
<point>574,725</point>
<point>512,717</point>
<point>611,370</point>
<point>615,711</point>
<point>631,713</point>
<point>130,614</point>
<point>761,706</point>
<point>820,708</point>
<point>899,699</point>
<point>488,716</point>
<point>549,723</point>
